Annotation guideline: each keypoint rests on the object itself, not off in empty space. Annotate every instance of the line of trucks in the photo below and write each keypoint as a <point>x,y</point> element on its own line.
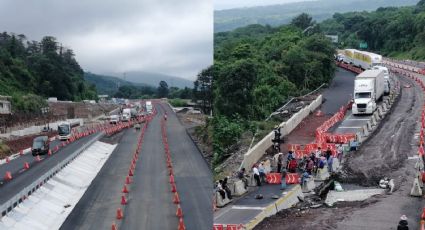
<point>371,84</point>
<point>130,113</point>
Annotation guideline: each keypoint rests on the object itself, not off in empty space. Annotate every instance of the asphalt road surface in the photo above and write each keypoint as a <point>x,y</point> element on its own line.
<point>192,174</point>
<point>339,92</point>
<point>150,201</point>
<point>23,178</point>
<point>97,208</point>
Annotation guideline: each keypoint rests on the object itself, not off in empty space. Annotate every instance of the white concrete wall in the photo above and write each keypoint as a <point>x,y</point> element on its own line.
<point>256,152</point>
<point>37,129</point>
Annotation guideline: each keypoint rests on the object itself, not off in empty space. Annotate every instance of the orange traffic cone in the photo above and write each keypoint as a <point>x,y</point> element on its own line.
<point>176,199</point>
<point>26,165</point>
<point>8,176</point>
<point>171,179</point>
<point>130,172</point>
<point>171,171</point>
<point>7,160</point>
<point>123,200</point>
<point>114,226</point>
<point>127,180</point>
<point>49,152</point>
<point>173,187</point>
<point>319,113</point>
<point>124,189</point>
<point>179,212</point>
<point>38,158</point>
<point>423,214</point>
<point>119,214</point>
<point>181,224</point>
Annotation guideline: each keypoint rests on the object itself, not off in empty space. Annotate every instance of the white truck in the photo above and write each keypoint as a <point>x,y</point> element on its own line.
<point>368,89</point>
<point>361,59</point>
<point>148,107</point>
<point>386,77</point>
<point>126,114</point>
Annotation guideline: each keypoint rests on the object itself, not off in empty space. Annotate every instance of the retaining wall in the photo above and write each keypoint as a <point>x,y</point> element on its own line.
<point>255,153</point>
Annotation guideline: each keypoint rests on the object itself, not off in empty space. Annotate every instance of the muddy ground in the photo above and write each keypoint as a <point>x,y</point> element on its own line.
<point>384,154</point>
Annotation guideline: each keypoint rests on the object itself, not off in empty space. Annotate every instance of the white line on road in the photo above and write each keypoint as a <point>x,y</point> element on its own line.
<point>247,207</point>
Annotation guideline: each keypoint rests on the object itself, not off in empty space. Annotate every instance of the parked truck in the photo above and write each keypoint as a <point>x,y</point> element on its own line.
<point>148,107</point>
<point>386,77</point>
<point>126,114</point>
<point>368,89</point>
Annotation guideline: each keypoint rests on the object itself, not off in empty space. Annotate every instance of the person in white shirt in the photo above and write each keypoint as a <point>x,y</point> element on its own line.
<point>256,174</point>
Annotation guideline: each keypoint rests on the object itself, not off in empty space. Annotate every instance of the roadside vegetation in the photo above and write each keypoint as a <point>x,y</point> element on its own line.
<point>256,69</point>
<point>44,68</point>
<point>391,31</point>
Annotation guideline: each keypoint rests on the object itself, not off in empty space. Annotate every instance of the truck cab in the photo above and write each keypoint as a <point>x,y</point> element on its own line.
<point>368,89</point>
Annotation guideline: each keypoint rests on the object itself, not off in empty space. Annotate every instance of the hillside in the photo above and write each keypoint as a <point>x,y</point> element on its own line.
<point>45,68</point>
<point>107,84</point>
<point>397,32</point>
<point>274,15</point>
<point>153,79</point>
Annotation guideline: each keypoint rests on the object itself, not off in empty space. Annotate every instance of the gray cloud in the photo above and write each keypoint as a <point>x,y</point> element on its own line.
<point>169,37</point>
<point>226,4</point>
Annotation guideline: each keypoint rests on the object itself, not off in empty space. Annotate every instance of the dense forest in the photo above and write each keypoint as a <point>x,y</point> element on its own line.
<point>391,31</point>
<point>256,68</point>
<point>45,68</point>
<point>276,15</point>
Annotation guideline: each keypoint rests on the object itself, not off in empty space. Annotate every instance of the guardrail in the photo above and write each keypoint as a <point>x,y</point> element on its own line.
<point>9,205</point>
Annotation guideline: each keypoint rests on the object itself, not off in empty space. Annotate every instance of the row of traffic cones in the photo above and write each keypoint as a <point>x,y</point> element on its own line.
<point>128,179</point>
<point>176,198</point>
<point>421,151</point>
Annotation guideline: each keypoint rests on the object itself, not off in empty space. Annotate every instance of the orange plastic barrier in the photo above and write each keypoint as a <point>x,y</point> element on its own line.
<point>273,178</point>
<point>292,178</point>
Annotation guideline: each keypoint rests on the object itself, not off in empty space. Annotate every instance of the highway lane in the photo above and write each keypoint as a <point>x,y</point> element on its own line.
<point>192,174</point>
<point>16,165</point>
<point>97,208</point>
<point>339,92</point>
<point>26,177</point>
<point>150,201</point>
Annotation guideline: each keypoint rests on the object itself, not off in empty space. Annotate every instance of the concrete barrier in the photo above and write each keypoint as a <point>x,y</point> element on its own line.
<point>239,188</point>
<point>256,152</point>
<point>322,174</point>
<point>309,185</point>
<point>285,202</point>
<point>220,201</point>
<point>352,195</point>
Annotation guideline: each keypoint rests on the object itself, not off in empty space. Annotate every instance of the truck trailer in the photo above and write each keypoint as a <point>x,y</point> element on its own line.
<point>368,89</point>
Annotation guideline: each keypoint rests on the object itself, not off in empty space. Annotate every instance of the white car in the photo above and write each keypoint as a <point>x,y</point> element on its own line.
<point>114,119</point>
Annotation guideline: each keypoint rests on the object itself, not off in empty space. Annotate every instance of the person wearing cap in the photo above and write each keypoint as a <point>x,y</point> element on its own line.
<point>402,224</point>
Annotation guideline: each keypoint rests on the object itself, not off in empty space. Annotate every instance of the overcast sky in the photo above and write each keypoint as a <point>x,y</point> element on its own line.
<point>228,4</point>
<point>164,36</point>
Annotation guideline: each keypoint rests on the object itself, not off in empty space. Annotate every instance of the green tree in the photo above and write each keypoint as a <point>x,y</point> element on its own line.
<point>162,89</point>
<point>302,21</point>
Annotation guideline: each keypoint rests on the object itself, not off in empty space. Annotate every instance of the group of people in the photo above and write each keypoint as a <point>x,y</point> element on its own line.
<point>223,188</point>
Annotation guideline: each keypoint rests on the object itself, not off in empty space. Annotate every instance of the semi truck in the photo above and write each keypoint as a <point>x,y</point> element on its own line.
<point>361,59</point>
<point>148,107</point>
<point>368,89</point>
<point>387,85</point>
<point>126,114</point>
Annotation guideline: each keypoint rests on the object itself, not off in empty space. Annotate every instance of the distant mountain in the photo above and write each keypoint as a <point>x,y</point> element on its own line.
<point>107,84</point>
<point>274,15</point>
<point>154,79</point>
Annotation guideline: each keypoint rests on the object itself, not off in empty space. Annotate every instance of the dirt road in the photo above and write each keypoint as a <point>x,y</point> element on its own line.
<point>384,154</point>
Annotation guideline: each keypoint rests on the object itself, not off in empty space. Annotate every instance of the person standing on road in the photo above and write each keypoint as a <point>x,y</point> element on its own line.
<point>318,152</point>
<point>402,224</point>
<point>283,179</point>
<point>340,152</point>
<point>256,174</point>
<point>262,172</point>
<point>279,162</point>
<point>328,153</point>
<point>309,167</point>
<point>330,163</point>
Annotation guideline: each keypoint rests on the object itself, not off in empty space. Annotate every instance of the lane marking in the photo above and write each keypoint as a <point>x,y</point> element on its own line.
<point>247,207</point>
